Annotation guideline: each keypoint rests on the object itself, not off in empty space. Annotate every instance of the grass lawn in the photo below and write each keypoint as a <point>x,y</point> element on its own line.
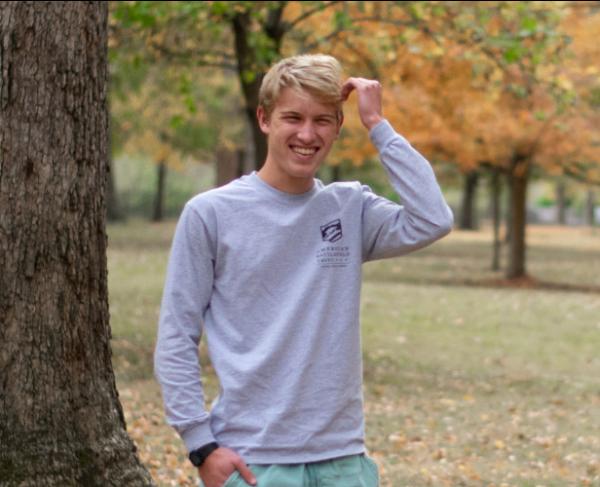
<point>468,381</point>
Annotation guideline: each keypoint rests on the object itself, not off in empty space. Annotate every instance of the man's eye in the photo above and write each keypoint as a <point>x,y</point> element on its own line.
<point>292,118</point>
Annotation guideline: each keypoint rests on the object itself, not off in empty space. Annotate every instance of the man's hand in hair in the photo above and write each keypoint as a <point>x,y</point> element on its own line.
<point>369,99</point>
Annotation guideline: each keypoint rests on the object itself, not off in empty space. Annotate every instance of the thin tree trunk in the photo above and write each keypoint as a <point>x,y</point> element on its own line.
<point>336,173</point>
<point>113,210</point>
<point>495,192</point>
<point>61,423</point>
<point>159,200</point>
<point>509,205</point>
<point>590,206</point>
<point>241,163</point>
<point>519,178</point>
<point>468,218</point>
<point>561,202</point>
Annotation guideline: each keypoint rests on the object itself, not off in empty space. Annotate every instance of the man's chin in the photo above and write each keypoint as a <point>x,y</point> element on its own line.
<point>308,173</point>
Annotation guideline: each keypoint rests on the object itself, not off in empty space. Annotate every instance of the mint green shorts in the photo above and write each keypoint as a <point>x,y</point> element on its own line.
<point>352,471</point>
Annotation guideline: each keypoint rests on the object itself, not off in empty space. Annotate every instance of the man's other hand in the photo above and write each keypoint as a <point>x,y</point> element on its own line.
<point>369,99</point>
<point>220,465</point>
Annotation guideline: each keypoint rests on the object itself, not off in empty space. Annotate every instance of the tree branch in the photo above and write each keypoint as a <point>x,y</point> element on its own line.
<point>584,178</point>
<point>273,25</point>
<point>185,56</point>
<point>318,42</point>
<point>371,66</point>
<point>290,25</point>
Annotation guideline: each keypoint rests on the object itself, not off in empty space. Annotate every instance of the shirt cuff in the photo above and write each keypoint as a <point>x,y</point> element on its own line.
<point>383,134</point>
<point>197,436</point>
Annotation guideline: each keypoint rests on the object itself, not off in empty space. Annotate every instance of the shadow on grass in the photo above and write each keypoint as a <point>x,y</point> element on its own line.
<point>553,267</point>
<point>526,282</point>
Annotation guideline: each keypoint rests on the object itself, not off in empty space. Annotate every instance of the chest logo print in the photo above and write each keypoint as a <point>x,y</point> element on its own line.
<point>332,231</point>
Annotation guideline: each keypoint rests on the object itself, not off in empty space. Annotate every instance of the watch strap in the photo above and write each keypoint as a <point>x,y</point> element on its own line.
<point>199,455</point>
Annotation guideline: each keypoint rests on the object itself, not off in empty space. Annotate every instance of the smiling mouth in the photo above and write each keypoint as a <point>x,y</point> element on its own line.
<point>304,151</point>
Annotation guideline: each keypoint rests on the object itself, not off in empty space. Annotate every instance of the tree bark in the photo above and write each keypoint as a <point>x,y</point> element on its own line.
<point>518,198</point>
<point>468,217</point>
<point>495,192</point>
<point>61,423</point>
<point>159,200</point>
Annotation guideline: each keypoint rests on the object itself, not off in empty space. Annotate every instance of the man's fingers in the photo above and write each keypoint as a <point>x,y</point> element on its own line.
<point>245,472</point>
<point>347,88</point>
<point>358,84</point>
<point>369,99</point>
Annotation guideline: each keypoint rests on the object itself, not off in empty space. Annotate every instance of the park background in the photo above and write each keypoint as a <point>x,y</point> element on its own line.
<point>480,352</point>
<point>475,373</point>
<point>478,370</point>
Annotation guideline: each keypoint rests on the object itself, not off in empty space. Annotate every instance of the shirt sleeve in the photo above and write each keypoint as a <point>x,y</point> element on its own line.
<point>186,296</point>
<point>389,229</point>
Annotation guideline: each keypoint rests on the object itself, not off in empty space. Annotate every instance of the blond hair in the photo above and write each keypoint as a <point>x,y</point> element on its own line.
<point>318,74</point>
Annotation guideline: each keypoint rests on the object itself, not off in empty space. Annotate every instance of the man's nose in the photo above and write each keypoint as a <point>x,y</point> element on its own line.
<point>307,132</point>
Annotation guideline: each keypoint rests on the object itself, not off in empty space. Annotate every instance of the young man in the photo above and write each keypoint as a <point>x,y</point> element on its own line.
<point>269,268</point>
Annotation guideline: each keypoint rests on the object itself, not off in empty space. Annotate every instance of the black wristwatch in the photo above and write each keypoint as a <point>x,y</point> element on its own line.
<point>198,455</point>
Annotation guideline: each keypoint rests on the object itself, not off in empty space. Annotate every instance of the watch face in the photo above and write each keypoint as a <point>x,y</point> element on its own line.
<point>196,458</point>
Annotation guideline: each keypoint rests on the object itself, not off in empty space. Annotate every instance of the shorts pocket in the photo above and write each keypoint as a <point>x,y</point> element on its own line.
<point>372,469</point>
<point>232,479</point>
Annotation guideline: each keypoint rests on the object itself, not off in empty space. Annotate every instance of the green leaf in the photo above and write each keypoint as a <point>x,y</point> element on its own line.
<point>484,15</point>
<point>416,10</point>
<point>518,90</point>
<point>142,13</point>
<point>594,97</point>
<point>341,20</point>
<point>176,121</point>
<point>220,8</point>
<point>529,24</point>
<point>248,76</point>
<point>185,85</point>
<point>190,103</point>
<point>513,53</point>
<point>438,10</point>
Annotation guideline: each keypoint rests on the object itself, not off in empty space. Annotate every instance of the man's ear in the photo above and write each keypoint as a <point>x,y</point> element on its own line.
<point>263,120</point>
<point>340,123</point>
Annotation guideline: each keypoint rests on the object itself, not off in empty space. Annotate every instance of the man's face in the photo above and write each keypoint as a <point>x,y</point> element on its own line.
<point>301,131</point>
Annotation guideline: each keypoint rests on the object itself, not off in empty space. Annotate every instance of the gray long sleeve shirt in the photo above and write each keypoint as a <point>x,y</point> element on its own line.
<point>273,280</point>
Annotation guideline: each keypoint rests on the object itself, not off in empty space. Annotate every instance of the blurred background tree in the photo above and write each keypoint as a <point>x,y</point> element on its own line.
<point>492,93</point>
<point>505,90</point>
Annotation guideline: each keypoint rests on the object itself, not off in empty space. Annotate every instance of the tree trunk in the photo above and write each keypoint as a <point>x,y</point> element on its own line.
<point>230,165</point>
<point>159,200</point>
<point>495,192</point>
<point>467,218</point>
<point>590,206</point>
<point>61,423</point>
<point>561,202</point>
<point>259,139</point>
<point>336,173</point>
<point>519,178</point>
<point>509,214</point>
<point>251,70</point>
<point>250,83</point>
<point>113,211</point>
